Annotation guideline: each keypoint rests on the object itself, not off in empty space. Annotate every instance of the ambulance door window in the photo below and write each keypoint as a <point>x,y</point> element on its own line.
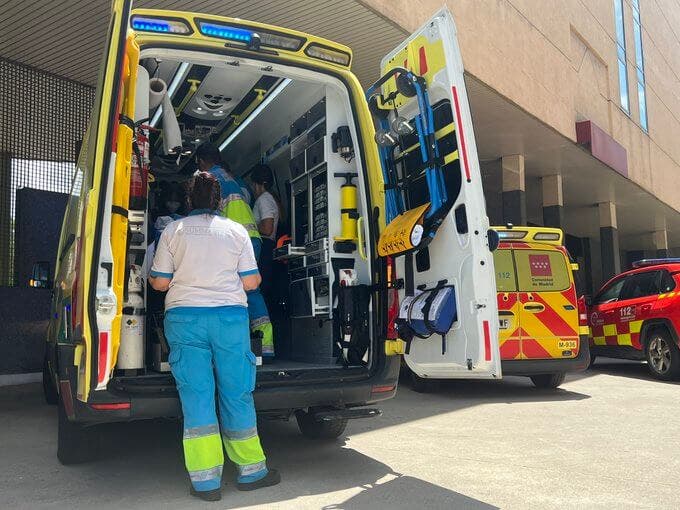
<point>611,293</point>
<point>541,271</point>
<point>640,285</point>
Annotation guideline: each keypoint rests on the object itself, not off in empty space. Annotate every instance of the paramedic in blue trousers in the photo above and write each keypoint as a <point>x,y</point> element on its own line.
<point>206,264</point>
<point>234,206</point>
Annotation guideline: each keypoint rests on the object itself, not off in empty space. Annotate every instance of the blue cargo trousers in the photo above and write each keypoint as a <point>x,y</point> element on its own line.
<point>209,351</point>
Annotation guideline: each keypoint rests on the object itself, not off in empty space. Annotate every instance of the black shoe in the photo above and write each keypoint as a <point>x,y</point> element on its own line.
<point>213,495</point>
<point>272,478</point>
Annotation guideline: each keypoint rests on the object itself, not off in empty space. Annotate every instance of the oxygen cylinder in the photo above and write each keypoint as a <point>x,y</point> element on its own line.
<point>131,351</point>
<point>139,171</point>
<point>349,215</point>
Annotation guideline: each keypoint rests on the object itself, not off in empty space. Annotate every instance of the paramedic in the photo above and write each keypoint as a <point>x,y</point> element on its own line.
<point>234,207</point>
<point>267,213</point>
<point>206,263</point>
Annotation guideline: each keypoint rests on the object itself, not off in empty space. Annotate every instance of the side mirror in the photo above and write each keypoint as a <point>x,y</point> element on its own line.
<point>40,278</point>
<point>493,238</point>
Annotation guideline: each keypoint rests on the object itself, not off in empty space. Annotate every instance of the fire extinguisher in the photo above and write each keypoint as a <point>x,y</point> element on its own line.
<point>139,171</point>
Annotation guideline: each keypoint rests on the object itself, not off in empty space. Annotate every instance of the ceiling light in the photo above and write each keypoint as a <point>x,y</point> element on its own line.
<point>267,100</point>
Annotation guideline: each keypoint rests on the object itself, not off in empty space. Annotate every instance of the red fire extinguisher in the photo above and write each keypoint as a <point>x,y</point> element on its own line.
<point>139,173</point>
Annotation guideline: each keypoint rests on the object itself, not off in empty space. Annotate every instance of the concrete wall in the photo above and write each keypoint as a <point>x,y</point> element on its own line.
<point>557,60</point>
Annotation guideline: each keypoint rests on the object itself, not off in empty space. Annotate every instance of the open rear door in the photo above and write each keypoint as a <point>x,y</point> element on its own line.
<point>439,233</point>
<point>98,305</point>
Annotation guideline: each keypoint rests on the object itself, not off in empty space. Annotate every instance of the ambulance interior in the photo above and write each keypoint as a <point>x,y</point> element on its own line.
<point>299,123</point>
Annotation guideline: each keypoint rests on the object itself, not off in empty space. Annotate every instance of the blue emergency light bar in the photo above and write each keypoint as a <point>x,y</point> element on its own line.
<point>655,262</point>
<point>226,32</point>
<point>159,25</point>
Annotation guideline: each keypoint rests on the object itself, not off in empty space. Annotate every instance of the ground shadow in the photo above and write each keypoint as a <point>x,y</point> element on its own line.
<point>621,368</point>
<point>141,464</point>
<point>408,493</point>
<point>460,393</point>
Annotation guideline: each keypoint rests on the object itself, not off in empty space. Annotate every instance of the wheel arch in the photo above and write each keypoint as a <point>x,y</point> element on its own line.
<point>652,324</point>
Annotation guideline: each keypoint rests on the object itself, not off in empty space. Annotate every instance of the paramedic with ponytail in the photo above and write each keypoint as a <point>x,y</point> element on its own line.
<point>206,264</point>
<point>234,206</point>
<point>267,212</point>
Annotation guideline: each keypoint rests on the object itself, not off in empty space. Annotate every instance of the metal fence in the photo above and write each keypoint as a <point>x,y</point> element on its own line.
<point>42,118</point>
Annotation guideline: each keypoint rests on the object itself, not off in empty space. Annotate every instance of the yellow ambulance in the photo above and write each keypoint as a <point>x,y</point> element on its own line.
<point>170,81</point>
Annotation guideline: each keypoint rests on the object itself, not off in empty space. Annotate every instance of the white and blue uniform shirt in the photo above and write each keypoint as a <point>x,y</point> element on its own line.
<point>205,255</point>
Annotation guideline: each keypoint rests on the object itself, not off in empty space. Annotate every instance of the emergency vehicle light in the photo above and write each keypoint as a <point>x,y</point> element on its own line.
<point>226,32</point>
<point>655,262</point>
<point>512,234</point>
<point>546,236</point>
<point>328,54</point>
<point>142,24</point>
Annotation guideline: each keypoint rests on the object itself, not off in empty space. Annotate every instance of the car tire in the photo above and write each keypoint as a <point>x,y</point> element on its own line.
<point>319,430</point>
<point>548,381</point>
<point>421,384</point>
<point>49,388</point>
<point>662,354</point>
<point>76,443</point>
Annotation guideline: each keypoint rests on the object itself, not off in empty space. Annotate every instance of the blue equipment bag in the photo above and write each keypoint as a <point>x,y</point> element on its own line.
<point>428,312</point>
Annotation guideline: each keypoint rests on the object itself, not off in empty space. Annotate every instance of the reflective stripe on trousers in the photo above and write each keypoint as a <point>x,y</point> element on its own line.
<point>257,311</point>
<point>199,340</point>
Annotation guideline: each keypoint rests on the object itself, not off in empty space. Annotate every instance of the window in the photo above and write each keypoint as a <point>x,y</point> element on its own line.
<point>621,55</point>
<point>542,271</point>
<point>611,293</point>
<point>639,65</point>
<point>667,282</point>
<point>641,285</point>
<point>505,271</point>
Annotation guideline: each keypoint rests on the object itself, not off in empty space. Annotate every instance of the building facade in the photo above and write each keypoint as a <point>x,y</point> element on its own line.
<point>577,113</point>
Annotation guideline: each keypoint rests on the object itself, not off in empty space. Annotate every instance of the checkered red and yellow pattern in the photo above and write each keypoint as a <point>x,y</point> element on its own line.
<point>621,333</point>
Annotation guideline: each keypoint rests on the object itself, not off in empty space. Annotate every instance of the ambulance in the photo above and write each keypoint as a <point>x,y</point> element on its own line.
<point>170,81</point>
<point>543,333</point>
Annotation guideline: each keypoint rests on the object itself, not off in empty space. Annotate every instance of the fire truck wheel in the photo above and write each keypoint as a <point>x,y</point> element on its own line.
<point>324,430</point>
<point>548,381</point>
<point>663,355</point>
<point>76,444</point>
<point>421,384</point>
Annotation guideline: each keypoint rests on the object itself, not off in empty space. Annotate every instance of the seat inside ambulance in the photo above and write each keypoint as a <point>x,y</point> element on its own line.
<point>300,124</point>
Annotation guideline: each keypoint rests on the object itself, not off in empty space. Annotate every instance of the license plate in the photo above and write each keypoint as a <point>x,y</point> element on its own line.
<point>503,323</point>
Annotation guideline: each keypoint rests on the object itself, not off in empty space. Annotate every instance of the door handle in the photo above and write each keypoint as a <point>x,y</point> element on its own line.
<point>534,307</point>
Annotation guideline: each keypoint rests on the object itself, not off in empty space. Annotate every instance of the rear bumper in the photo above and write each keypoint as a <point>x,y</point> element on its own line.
<point>161,401</point>
<point>549,366</point>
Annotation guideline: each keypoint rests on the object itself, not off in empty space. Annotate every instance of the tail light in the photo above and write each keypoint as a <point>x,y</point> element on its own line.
<point>102,356</point>
<point>582,312</point>
<point>392,300</point>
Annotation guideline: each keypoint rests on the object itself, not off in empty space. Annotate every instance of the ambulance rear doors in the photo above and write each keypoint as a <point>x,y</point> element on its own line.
<point>458,254</point>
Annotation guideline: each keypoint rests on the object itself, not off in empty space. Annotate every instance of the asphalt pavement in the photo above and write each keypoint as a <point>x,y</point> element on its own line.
<point>609,439</point>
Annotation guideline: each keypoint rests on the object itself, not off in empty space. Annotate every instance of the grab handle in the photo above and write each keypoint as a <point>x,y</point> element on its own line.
<point>360,238</point>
